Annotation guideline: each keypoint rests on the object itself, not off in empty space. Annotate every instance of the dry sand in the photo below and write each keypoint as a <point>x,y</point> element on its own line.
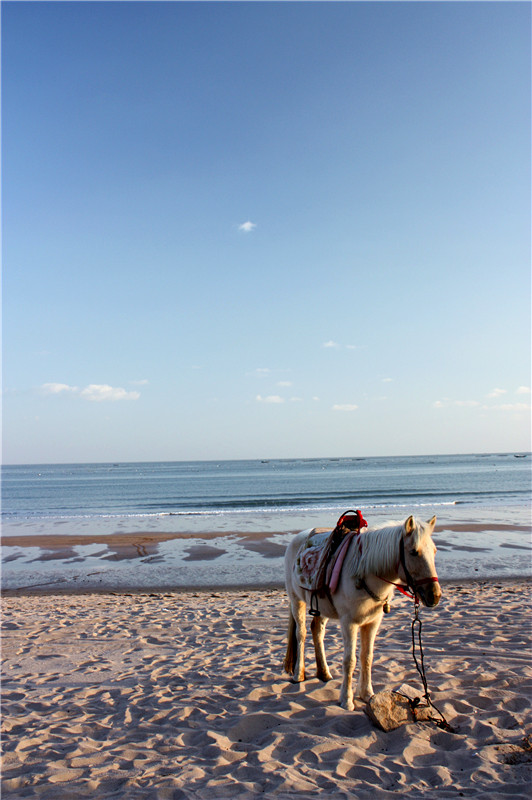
<point>182,695</point>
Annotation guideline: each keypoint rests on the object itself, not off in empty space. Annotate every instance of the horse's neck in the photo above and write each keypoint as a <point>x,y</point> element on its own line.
<point>380,554</point>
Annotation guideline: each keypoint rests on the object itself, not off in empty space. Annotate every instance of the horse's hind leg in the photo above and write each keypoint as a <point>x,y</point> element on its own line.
<point>317,627</point>
<point>298,611</point>
<point>291,646</point>
<point>367,640</point>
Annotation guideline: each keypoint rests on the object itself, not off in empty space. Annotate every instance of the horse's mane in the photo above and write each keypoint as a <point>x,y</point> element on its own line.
<point>380,550</point>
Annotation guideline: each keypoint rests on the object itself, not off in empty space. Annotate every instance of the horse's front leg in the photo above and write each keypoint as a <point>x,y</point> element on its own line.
<point>317,627</point>
<point>349,635</point>
<point>367,640</point>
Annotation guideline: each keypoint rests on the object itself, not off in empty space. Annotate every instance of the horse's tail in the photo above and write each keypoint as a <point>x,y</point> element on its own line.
<point>291,648</point>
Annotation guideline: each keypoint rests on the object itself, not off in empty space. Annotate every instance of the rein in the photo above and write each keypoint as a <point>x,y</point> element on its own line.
<point>420,666</point>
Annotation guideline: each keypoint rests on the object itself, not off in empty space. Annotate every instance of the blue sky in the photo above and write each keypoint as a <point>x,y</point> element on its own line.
<point>248,230</point>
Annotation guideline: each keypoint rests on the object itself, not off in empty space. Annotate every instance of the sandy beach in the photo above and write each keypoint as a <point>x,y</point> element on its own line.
<point>182,695</point>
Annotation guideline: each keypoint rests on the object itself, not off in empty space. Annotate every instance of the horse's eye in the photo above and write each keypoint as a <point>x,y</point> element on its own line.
<point>414,553</point>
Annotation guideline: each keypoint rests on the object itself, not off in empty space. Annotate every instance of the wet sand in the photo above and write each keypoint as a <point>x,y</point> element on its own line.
<point>67,561</point>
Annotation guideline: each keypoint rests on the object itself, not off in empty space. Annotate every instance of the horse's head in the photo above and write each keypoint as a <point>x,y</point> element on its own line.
<point>417,560</point>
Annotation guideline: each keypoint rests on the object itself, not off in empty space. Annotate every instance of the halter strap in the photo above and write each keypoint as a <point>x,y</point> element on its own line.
<point>410,582</point>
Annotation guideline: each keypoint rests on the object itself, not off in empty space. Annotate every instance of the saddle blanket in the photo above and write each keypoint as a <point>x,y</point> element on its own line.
<point>316,568</point>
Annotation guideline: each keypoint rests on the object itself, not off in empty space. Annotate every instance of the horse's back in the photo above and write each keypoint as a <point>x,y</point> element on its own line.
<point>294,545</point>
<point>297,540</point>
<point>292,551</point>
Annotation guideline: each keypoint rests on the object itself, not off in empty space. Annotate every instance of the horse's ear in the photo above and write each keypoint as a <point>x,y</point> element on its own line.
<point>410,525</point>
<point>432,522</point>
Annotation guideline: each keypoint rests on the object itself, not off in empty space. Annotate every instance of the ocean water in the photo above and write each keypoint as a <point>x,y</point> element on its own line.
<point>482,503</point>
<point>213,489</point>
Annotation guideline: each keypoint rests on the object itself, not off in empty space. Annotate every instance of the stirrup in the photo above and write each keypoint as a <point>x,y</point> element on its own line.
<point>314,610</point>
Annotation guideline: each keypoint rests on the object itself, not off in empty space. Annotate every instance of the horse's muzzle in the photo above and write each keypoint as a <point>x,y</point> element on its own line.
<point>430,594</point>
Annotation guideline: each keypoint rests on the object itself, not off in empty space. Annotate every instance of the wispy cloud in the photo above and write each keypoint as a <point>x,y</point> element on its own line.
<point>344,407</point>
<point>142,382</point>
<point>260,372</point>
<point>98,393</point>
<point>497,392</point>
<point>523,390</point>
<point>58,388</point>
<point>446,403</point>
<point>247,227</point>
<point>95,392</point>
<point>509,407</point>
<point>271,398</point>
<point>284,383</point>
<point>331,344</point>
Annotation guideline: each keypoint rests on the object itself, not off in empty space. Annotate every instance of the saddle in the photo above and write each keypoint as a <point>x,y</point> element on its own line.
<point>320,558</point>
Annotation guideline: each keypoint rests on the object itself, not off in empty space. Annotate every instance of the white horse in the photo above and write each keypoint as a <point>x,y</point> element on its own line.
<point>377,559</point>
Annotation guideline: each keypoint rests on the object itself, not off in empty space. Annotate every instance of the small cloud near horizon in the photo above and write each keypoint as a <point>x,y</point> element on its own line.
<point>446,402</point>
<point>330,344</point>
<point>497,392</point>
<point>344,407</point>
<point>523,390</point>
<point>247,227</point>
<point>512,407</point>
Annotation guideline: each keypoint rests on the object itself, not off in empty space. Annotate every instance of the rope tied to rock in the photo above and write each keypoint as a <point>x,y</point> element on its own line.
<point>420,666</point>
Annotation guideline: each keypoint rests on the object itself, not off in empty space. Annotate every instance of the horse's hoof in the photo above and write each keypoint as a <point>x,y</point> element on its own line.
<point>325,677</point>
<point>348,706</point>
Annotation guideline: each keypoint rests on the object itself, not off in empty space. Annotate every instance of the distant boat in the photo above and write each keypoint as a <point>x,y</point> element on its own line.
<point>520,455</point>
